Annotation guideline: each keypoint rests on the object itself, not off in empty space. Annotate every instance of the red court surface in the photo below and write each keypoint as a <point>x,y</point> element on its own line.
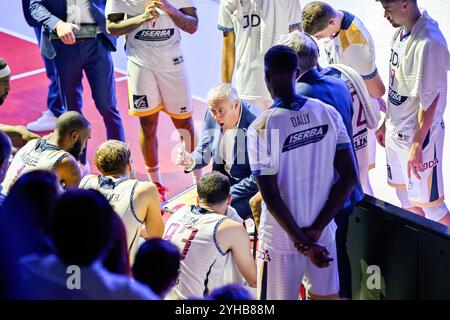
<point>27,99</point>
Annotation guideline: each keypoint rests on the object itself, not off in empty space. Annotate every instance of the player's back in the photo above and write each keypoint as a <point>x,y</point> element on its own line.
<point>35,155</point>
<point>193,230</point>
<point>120,193</point>
<point>308,133</point>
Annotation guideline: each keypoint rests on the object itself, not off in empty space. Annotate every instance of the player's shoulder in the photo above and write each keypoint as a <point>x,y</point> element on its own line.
<point>144,188</point>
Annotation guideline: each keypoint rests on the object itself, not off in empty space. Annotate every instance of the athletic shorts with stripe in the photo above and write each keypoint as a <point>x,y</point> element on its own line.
<point>429,190</point>
<point>152,90</point>
<point>280,274</point>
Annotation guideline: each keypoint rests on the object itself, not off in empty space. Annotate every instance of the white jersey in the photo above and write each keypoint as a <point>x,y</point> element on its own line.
<point>35,155</point>
<point>429,62</point>
<point>120,194</point>
<point>258,25</point>
<point>353,46</point>
<point>193,230</point>
<point>157,43</point>
<point>297,141</point>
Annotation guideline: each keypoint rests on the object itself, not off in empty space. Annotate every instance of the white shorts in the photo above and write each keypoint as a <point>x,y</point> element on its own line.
<point>263,104</point>
<point>280,274</point>
<point>152,90</point>
<point>372,145</point>
<point>360,142</point>
<point>429,190</point>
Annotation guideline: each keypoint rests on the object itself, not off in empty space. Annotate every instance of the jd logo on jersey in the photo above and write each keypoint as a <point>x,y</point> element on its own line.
<point>140,102</point>
<point>252,20</point>
<point>305,137</point>
<point>154,35</point>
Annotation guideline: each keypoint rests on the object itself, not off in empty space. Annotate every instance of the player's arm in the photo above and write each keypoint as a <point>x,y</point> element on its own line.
<point>425,120</point>
<point>117,25</point>
<point>270,193</point>
<point>68,172</point>
<point>375,86</point>
<point>228,56</point>
<point>148,194</point>
<point>233,236</point>
<point>185,18</point>
<point>345,167</point>
<point>19,135</point>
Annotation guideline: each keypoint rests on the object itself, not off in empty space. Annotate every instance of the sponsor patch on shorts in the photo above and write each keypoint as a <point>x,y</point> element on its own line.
<point>140,101</point>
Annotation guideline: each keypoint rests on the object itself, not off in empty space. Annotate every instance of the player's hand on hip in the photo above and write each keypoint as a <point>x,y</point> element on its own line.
<point>380,134</point>
<point>64,30</point>
<point>415,163</point>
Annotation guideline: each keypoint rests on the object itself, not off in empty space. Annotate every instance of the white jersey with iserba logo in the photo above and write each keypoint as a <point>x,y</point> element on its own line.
<point>35,155</point>
<point>297,141</point>
<point>203,263</point>
<point>353,46</point>
<point>157,43</point>
<point>258,25</point>
<point>120,194</point>
<point>429,62</point>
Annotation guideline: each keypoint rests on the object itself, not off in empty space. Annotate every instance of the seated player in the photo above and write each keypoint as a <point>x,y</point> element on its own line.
<point>136,202</point>
<point>211,244</point>
<point>58,153</point>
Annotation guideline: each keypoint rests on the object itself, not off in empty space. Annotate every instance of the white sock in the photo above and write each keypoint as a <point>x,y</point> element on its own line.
<point>154,174</point>
<point>196,175</point>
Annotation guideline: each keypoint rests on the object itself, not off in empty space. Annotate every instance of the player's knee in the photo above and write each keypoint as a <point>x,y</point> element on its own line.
<point>436,213</point>
<point>402,195</point>
<point>149,124</point>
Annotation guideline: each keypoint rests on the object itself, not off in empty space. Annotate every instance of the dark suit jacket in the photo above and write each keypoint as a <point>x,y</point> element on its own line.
<point>242,182</point>
<point>49,12</point>
<point>334,92</point>
<point>27,14</point>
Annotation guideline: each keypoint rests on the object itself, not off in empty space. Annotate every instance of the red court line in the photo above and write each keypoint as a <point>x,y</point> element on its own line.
<point>28,96</point>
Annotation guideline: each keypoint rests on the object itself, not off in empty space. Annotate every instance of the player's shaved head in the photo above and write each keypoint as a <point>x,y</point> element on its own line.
<point>71,121</point>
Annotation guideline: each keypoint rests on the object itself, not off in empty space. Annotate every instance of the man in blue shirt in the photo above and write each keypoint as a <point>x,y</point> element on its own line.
<point>334,92</point>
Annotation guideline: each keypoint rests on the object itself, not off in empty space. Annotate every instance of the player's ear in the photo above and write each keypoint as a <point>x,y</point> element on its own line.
<point>198,200</point>
<point>74,135</point>
<point>229,200</point>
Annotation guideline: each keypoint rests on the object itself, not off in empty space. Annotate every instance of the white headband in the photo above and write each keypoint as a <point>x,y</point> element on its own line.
<point>6,71</point>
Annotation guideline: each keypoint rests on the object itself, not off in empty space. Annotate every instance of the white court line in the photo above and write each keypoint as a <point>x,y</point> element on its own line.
<point>124,78</point>
<point>31,73</point>
<point>27,74</point>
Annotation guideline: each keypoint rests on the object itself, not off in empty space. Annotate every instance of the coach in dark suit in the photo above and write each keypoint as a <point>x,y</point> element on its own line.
<point>54,101</point>
<point>76,38</point>
<point>224,140</point>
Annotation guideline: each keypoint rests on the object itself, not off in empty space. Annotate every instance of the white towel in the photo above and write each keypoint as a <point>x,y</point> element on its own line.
<point>415,77</point>
<point>369,105</point>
